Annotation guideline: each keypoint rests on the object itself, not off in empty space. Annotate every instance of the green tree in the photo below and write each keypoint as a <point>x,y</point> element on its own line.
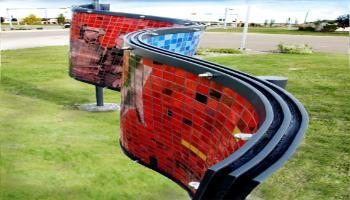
<point>61,18</point>
<point>329,27</point>
<point>31,19</point>
<point>266,22</point>
<point>2,19</point>
<point>272,22</point>
<point>343,21</point>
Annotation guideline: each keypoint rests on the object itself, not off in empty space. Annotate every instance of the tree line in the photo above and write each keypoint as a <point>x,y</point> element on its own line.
<point>32,19</point>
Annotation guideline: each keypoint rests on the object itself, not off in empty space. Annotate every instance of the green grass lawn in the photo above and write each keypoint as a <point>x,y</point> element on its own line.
<point>320,169</point>
<point>268,30</point>
<point>51,150</point>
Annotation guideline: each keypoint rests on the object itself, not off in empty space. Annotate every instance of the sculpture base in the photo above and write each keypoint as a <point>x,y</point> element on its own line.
<point>277,80</point>
<point>92,107</point>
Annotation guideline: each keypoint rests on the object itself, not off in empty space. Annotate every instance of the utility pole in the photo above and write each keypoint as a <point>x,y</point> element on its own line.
<point>225,18</point>
<point>236,20</point>
<point>97,4</point>
<point>245,29</point>
<point>9,17</point>
<point>289,23</point>
<point>307,14</point>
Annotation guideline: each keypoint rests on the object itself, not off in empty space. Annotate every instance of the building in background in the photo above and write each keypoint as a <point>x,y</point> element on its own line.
<point>48,21</point>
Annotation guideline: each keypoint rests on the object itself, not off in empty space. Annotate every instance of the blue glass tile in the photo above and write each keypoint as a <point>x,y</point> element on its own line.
<point>182,43</point>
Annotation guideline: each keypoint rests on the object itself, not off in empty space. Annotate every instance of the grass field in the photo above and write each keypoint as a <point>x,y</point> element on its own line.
<point>51,150</point>
<point>320,169</point>
<point>268,30</point>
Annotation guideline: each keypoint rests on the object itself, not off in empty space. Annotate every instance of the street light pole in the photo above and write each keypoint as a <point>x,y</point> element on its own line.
<point>307,14</point>
<point>245,29</point>
<point>9,17</point>
<point>236,21</point>
<point>225,18</point>
<point>96,3</point>
<point>289,23</point>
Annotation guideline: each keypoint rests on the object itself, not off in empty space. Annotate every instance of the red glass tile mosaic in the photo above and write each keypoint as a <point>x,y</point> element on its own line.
<point>96,41</point>
<point>177,122</point>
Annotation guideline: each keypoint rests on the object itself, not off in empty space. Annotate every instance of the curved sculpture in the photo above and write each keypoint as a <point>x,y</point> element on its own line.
<point>97,39</point>
<point>215,131</point>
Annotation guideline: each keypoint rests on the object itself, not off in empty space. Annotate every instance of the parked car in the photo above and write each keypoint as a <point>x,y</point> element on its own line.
<point>66,25</point>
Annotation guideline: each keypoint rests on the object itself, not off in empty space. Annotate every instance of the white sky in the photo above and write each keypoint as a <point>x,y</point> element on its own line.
<point>204,10</point>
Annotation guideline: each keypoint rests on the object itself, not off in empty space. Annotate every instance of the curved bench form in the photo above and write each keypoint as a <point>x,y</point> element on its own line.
<point>215,131</point>
<point>96,42</point>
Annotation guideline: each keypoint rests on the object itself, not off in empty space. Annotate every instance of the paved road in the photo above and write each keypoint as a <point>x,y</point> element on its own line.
<point>27,39</point>
<point>7,27</point>
<point>259,42</point>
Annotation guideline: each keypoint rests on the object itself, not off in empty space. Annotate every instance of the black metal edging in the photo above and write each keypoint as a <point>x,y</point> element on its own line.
<point>246,173</point>
<point>304,121</point>
<point>286,95</point>
<point>192,69</point>
<point>168,30</point>
<point>284,108</point>
<point>276,137</point>
<point>302,127</point>
<point>258,100</point>
<point>270,146</point>
<point>218,77</point>
<point>86,9</point>
<point>291,149</point>
<point>285,124</point>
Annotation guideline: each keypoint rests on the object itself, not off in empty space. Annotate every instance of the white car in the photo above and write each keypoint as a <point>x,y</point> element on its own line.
<point>66,25</point>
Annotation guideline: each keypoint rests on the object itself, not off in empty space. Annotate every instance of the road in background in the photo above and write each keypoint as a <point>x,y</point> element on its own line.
<point>255,41</point>
<point>35,38</point>
<point>15,27</point>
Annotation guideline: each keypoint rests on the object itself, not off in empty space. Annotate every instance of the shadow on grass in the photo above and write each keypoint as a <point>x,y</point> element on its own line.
<point>67,98</point>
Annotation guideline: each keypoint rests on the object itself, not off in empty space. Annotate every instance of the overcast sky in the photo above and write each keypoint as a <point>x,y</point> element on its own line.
<point>278,10</point>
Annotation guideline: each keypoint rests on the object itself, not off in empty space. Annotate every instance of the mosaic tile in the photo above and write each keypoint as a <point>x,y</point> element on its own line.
<point>183,134</point>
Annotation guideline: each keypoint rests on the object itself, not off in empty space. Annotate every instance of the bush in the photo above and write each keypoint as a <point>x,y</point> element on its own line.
<point>199,52</point>
<point>306,28</point>
<point>329,28</point>
<point>226,51</point>
<point>31,19</point>
<point>295,48</point>
<point>254,25</point>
